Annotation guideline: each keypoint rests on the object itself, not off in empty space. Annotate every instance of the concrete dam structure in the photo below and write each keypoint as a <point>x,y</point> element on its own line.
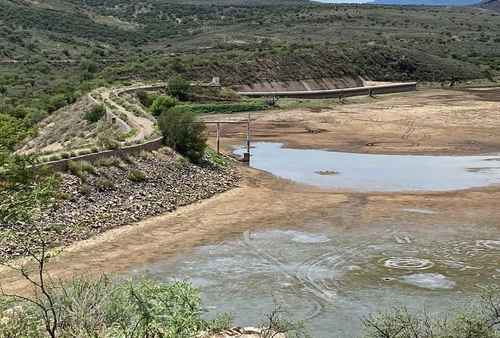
<point>323,88</point>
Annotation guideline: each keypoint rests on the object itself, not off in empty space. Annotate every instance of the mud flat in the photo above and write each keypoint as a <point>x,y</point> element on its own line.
<point>433,121</point>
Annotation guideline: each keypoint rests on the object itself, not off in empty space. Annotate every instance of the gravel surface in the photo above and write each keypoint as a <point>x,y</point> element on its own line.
<point>94,203</point>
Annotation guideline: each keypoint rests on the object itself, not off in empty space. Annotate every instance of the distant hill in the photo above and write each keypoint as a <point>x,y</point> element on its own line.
<point>491,4</point>
<point>428,2</point>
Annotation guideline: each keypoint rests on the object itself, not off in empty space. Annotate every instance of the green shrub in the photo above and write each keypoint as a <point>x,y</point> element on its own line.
<point>111,161</point>
<point>65,155</point>
<point>107,308</point>
<point>145,98</point>
<point>128,159</point>
<point>54,158</point>
<point>136,176</point>
<point>184,134</point>
<point>104,184</point>
<point>79,168</point>
<point>83,152</point>
<point>179,88</point>
<point>85,189</point>
<point>161,104</point>
<point>94,150</point>
<point>480,319</point>
<point>58,101</point>
<point>24,192</point>
<point>215,158</point>
<point>95,114</point>
<point>106,141</point>
<point>12,131</point>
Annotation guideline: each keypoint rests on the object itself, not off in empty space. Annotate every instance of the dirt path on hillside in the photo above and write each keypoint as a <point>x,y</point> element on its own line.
<point>423,122</point>
<point>143,125</point>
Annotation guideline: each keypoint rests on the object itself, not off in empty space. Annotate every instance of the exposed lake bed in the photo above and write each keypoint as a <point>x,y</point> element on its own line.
<point>328,255</point>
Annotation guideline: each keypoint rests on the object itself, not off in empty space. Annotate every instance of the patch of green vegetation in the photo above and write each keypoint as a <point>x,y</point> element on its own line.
<point>179,88</point>
<point>110,308</point>
<point>221,107</point>
<point>104,184</point>
<point>80,168</point>
<point>480,319</point>
<point>111,161</point>
<point>136,176</point>
<point>24,192</point>
<point>95,114</point>
<point>218,159</point>
<point>184,134</point>
<point>12,131</point>
<point>161,104</point>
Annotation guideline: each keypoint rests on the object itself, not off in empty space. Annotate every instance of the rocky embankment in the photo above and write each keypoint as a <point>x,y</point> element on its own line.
<point>115,192</point>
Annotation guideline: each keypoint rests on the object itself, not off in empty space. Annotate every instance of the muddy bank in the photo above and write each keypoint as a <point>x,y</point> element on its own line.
<point>117,194</point>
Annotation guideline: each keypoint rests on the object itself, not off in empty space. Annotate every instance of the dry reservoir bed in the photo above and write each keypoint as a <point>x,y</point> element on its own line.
<point>329,256</point>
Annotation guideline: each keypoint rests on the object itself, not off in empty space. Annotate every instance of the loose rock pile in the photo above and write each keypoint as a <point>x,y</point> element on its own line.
<point>93,203</point>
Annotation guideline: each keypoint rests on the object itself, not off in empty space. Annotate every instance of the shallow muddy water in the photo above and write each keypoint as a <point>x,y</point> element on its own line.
<point>332,275</point>
<point>369,172</point>
<point>332,279</point>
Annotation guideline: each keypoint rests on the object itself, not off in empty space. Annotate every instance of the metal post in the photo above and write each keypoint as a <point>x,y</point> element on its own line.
<point>246,156</point>
<point>218,138</point>
<point>248,134</point>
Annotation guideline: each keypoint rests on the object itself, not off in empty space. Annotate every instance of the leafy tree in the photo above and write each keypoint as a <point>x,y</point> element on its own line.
<point>162,104</point>
<point>145,98</point>
<point>24,192</point>
<point>179,87</point>
<point>183,133</point>
<point>95,114</point>
<point>12,131</point>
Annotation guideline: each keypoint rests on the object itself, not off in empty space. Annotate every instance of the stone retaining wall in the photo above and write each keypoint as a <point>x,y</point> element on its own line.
<point>62,165</point>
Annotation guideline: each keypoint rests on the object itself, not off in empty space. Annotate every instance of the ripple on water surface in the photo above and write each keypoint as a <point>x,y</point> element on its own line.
<point>329,277</point>
<point>489,244</point>
<point>408,263</point>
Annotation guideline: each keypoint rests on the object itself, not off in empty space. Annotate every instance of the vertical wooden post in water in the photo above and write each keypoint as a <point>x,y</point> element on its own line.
<point>218,138</point>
